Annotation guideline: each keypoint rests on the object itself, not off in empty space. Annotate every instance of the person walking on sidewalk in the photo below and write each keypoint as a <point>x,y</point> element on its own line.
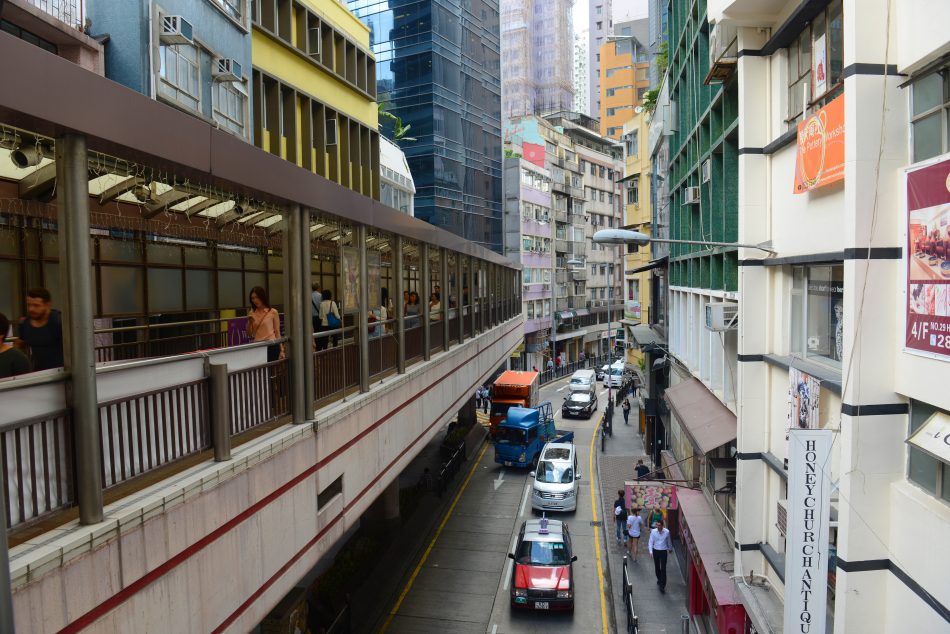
<point>620,517</point>
<point>642,470</point>
<point>626,411</point>
<point>634,526</point>
<point>659,547</point>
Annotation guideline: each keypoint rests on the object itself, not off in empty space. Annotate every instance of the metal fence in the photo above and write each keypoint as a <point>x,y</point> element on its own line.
<point>633,621</point>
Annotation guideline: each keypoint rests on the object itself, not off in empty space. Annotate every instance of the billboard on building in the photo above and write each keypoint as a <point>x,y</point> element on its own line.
<point>807,537</point>
<point>803,394</point>
<point>927,300</point>
<point>819,159</point>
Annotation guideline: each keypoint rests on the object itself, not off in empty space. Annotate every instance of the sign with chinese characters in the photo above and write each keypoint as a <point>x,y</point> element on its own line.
<point>803,393</point>
<point>806,545</point>
<point>819,159</point>
<point>927,258</point>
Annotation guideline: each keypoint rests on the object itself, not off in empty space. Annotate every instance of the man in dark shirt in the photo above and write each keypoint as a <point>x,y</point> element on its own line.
<point>12,361</point>
<point>42,330</point>
<point>642,470</point>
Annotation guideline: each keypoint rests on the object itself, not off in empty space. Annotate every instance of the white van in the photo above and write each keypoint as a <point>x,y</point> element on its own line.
<point>554,482</point>
<point>583,381</point>
<point>614,376</point>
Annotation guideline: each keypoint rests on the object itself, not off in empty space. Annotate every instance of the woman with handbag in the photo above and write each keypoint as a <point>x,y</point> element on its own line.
<point>330,319</point>
<point>263,323</point>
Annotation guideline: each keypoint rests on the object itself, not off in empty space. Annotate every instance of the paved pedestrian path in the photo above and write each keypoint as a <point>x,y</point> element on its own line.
<point>657,612</point>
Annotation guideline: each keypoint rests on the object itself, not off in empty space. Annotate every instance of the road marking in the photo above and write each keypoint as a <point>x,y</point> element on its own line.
<point>500,480</point>
<point>593,508</point>
<point>561,388</point>
<point>514,540</point>
<point>494,628</point>
<point>524,500</point>
<point>438,532</point>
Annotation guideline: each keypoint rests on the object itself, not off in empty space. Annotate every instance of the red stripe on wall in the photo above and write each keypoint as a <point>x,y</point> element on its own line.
<point>148,578</point>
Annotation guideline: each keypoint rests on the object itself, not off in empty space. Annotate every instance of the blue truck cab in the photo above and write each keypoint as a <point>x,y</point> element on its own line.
<point>523,433</point>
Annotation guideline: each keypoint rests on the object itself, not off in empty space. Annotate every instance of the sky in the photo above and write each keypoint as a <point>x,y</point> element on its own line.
<point>623,10</point>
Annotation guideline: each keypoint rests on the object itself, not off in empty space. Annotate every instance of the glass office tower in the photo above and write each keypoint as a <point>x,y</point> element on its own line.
<point>438,69</point>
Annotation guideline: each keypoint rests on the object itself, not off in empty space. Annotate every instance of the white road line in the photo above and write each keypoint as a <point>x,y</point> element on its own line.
<point>524,500</point>
<point>561,388</point>
<point>514,540</point>
<point>494,628</point>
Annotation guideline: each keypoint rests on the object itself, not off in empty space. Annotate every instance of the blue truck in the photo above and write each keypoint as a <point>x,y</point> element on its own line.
<point>523,433</point>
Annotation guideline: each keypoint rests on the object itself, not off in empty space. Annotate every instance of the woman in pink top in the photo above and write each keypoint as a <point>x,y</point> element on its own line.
<point>263,323</point>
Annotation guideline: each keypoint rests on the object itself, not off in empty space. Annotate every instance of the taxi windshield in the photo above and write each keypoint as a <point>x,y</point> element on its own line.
<point>542,554</point>
<point>552,473</point>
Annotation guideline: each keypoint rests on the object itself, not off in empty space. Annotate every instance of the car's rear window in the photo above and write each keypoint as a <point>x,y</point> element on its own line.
<point>542,554</point>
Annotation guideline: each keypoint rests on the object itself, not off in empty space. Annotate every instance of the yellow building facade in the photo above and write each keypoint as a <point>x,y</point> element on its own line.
<point>623,80</point>
<point>314,90</point>
<point>638,215</point>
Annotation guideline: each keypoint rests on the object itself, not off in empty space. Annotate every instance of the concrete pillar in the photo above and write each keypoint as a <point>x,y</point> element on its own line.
<point>383,513</point>
<point>297,311</point>
<point>362,318</point>
<point>304,348</point>
<point>472,293</point>
<point>458,295</point>
<point>72,201</point>
<point>444,300</point>
<point>466,415</point>
<point>400,287</point>
<point>424,298</point>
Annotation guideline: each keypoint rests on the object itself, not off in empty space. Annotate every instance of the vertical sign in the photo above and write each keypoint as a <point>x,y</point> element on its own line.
<point>806,545</point>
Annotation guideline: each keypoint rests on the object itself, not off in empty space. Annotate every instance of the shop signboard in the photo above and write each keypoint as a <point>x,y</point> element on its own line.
<point>927,260</point>
<point>803,394</point>
<point>807,540</point>
<point>819,159</point>
<point>651,495</point>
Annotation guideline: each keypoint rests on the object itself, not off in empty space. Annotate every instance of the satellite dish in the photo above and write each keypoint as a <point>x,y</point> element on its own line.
<point>638,109</point>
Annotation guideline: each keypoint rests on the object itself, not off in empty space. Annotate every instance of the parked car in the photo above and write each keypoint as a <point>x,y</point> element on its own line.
<point>554,481</point>
<point>602,372</point>
<point>542,576</point>
<point>579,404</point>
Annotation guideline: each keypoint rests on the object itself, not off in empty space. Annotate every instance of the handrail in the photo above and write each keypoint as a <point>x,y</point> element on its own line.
<point>113,366</point>
<point>43,377</point>
<point>633,621</point>
<point>170,324</point>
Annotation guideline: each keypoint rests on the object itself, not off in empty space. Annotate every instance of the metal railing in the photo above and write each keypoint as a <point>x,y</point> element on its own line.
<point>259,395</point>
<point>633,621</point>
<point>336,363</point>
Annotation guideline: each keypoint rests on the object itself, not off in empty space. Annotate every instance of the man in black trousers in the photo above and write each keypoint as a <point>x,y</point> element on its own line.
<point>659,547</point>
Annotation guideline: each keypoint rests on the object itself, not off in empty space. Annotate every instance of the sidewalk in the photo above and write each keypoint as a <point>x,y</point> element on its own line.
<point>657,612</point>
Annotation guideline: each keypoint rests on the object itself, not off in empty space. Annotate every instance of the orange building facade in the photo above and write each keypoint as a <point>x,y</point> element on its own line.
<point>624,79</point>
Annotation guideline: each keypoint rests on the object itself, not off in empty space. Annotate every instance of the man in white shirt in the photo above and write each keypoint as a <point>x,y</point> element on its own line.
<point>659,547</point>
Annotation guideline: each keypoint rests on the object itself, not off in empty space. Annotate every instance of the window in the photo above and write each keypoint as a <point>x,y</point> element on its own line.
<point>633,190</point>
<point>603,171</point>
<point>817,318</point>
<point>922,468</point>
<point>229,105</point>
<point>815,62</point>
<point>232,8</point>
<point>611,112</point>
<point>179,74</point>
<point>930,114</point>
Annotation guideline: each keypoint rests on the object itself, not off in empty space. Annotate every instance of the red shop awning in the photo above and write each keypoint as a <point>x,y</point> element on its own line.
<point>704,539</point>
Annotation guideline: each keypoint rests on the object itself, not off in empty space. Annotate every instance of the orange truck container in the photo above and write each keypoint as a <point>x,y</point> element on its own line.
<point>513,388</point>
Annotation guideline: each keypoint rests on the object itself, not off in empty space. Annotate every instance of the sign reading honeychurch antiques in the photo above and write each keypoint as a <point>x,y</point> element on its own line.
<point>806,546</point>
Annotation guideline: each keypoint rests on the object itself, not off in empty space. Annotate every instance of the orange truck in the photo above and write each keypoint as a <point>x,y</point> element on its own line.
<point>512,388</point>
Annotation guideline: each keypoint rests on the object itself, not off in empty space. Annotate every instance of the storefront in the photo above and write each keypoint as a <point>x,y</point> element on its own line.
<point>712,597</point>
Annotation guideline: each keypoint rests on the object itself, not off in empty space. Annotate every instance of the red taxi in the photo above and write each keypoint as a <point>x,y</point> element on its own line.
<point>541,578</point>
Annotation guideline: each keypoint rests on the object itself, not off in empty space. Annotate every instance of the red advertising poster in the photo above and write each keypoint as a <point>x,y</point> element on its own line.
<point>928,259</point>
<point>820,156</point>
<point>533,153</point>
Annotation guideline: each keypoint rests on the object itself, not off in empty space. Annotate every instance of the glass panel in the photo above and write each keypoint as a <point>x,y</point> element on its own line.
<point>825,289</point>
<point>254,261</point>
<point>923,470</point>
<point>198,257</point>
<point>50,243</point>
<point>927,137</point>
<point>275,262</point>
<point>927,93</point>
<point>121,290</point>
<point>945,484</point>
<point>258,279</point>
<point>164,290</point>
<point>51,280</point>
<point>230,290</point>
<point>229,259</point>
<point>163,254</point>
<point>8,242</point>
<point>793,73</point>
<point>199,290</point>
<point>805,51</point>
<point>31,247</point>
<point>10,301</point>
<point>119,250</point>
<point>275,288</point>
<point>835,43</point>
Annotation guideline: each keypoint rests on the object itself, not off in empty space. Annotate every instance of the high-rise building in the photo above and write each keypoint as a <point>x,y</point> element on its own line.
<point>442,77</point>
<point>581,73</point>
<point>537,56</point>
<point>600,25</point>
<point>624,76</point>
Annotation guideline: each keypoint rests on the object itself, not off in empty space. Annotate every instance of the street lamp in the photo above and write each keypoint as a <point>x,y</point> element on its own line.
<point>574,261</point>
<point>626,236</point>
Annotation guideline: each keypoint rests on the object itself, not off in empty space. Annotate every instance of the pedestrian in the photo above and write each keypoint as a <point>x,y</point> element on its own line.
<point>656,517</point>
<point>412,311</point>
<point>330,319</point>
<point>581,358</point>
<point>659,547</point>
<point>550,365</point>
<point>642,470</point>
<point>478,397</point>
<point>634,526</point>
<point>534,368</point>
<point>12,361</point>
<point>315,298</point>
<point>626,411</point>
<point>435,307</point>
<point>42,330</point>
<point>263,323</point>
<point>620,516</point>
<point>486,399</point>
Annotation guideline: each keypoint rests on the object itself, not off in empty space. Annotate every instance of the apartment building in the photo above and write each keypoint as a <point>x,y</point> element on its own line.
<point>581,79</point>
<point>600,26</point>
<point>624,75</point>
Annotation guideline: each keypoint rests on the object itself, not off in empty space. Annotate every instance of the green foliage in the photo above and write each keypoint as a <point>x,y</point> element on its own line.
<point>663,58</point>
<point>649,99</point>
<point>509,153</point>
<point>399,131</point>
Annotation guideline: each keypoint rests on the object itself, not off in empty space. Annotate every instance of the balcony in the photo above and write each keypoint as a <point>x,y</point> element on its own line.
<point>560,276</point>
<point>560,216</point>
<point>560,304</point>
<point>579,275</point>
<point>562,246</point>
<point>580,248</point>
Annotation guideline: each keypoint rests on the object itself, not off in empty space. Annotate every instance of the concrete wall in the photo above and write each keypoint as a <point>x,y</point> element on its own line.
<point>218,546</point>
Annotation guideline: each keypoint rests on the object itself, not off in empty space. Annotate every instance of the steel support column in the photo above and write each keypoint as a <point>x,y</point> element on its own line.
<point>362,316</point>
<point>444,300</point>
<point>298,307</point>
<point>305,348</point>
<point>400,288</point>
<point>460,299</point>
<point>72,201</point>
<point>424,298</point>
<point>472,297</point>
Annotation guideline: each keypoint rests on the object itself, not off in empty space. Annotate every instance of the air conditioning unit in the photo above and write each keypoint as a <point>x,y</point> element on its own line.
<point>723,45</point>
<point>331,132</point>
<point>692,196</point>
<point>706,170</point>
<point>721,316</point>
<point>176,30</point>
<point>227,69</point>
<point>545,218</point>
<point>670,119</point>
